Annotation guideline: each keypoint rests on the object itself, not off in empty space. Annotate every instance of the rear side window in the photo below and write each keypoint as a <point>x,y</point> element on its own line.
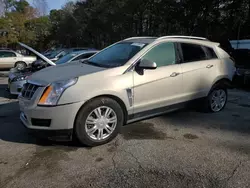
<point>210,53</point>
<point>192,52</point>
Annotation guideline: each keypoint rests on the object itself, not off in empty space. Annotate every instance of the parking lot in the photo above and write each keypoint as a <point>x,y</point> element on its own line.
<point>180,149</point>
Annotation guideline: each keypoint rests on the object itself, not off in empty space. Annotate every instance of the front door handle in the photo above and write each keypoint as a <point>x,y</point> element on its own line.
<point>174,74</point>
<point>209,66</point>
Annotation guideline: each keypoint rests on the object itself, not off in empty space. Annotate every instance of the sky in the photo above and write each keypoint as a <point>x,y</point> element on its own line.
<point>52,4</point>
<point>55,4</point>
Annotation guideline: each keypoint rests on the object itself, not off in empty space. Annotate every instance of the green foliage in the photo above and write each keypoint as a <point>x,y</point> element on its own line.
<point>101,22</point>
<point>20,6</point>
<point>98,23</point>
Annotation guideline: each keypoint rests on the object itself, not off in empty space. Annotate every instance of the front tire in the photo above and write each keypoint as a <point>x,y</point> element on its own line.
<point>216,99</point>
<point>99,121</point>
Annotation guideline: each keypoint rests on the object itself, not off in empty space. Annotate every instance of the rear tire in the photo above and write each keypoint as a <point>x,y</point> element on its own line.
<point>20,65</point>
<point>216,99</point>
<point>99,121</point>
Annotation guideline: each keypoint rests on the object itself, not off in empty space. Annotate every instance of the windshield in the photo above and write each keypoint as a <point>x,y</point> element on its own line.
<point>116,55</point>
<point>65,58</point>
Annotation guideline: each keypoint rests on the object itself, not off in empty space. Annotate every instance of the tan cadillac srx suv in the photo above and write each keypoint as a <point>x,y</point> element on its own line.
<point>131,80</point>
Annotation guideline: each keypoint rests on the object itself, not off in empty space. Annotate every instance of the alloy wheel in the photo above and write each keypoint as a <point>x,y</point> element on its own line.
<point>101,123</point>
<point>218,100</point>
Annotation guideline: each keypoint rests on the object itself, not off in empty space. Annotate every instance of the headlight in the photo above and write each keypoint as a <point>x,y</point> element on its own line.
<point>52,93</point>
<point>19,78</point>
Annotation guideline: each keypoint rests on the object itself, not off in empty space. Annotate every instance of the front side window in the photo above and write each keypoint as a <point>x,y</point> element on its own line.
<point>116,55</point>
<point>192,52</point>
<point>162,55</point>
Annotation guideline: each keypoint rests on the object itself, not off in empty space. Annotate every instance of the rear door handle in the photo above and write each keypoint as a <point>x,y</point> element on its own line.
<point>174,74</point>
<point>209,66</point>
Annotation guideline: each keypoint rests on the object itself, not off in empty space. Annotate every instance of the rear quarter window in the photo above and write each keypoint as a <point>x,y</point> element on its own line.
<point>192,52</point>
<point>210,53</point>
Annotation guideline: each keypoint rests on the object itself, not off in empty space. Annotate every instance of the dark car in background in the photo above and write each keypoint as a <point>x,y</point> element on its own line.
<point>55,55</point>
<point>242,63</point>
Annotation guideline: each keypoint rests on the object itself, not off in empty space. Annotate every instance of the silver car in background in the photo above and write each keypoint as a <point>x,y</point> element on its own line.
<point>75,56</point>
<point>10,59</point>
<point>18,78</point>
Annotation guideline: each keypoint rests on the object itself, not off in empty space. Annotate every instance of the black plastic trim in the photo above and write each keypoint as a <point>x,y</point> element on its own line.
<point>159,111</point>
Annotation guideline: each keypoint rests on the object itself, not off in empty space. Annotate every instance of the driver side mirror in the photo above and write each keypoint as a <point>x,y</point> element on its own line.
<point>147,64</point>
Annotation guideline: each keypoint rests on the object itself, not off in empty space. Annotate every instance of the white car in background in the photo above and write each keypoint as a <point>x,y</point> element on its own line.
<point>10,59</point>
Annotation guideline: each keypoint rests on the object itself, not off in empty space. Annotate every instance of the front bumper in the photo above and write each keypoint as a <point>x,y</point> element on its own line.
<point>55,135</point>
<point>15,87</point>
<point>53,121</point>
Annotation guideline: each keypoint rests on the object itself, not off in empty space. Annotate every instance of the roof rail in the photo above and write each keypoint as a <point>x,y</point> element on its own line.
<point>140,38</point>
<point>182,37</point>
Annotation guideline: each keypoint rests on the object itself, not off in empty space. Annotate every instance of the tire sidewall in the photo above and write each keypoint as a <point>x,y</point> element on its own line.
<point>80,131</point>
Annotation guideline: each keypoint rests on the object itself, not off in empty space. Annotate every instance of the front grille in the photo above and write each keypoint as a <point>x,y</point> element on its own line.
<point>29,90</point>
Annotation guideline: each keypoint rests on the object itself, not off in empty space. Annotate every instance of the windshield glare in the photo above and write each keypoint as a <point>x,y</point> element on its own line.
<point>117,55</point>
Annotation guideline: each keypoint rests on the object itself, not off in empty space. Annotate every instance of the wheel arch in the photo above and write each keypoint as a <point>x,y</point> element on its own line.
<point>223,81</point>
<point>117,99</point>
<point>20,62</point>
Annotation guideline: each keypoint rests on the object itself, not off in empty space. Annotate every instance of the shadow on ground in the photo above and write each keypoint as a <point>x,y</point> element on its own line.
<point>235,117</point>
<point>12,130</point>
<point>3,88</point>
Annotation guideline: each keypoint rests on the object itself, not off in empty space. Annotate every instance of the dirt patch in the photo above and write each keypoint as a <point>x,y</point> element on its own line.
<point>45,159</point>
<point>190,136</point>
<point>99,159</point>
<point>111,149</point>
<point>142,131</point>
<point>3,162</point>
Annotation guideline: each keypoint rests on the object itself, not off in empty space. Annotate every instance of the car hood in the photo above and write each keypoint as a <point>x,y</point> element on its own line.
<point>37,53</point>
<point>63,72</point>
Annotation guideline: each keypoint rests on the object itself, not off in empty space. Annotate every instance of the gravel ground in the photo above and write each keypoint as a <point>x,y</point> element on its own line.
<point>180,149</point>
